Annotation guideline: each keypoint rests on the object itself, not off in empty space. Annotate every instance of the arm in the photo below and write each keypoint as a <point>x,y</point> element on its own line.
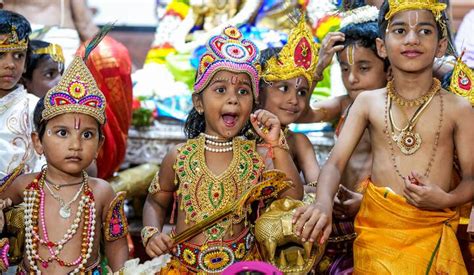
<point>82,17</point>
<point>154,210</point>
<point>306,158</point>
<point>317,217</point>
<point>326,110</point>
<point>116,247</point>
<point>281,156</point>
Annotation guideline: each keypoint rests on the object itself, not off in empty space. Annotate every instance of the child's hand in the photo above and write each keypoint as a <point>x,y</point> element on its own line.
<point>422,194</point>
<point>3,204</point>
<point>346,203</point>
<point>327,50</point>
<point>310,220</point>
<point>158,245</point>
<point>267,126</point>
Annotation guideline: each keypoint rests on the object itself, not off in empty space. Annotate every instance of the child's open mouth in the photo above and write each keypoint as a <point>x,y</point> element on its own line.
<point>230,119</point>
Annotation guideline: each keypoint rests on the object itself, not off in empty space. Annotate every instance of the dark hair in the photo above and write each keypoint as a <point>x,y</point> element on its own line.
<point>362,34</point>
<point>40,124</point>
<point>195,124</point>
<point>23,28</point>
<point>383,23</point>
<point>34,59</point>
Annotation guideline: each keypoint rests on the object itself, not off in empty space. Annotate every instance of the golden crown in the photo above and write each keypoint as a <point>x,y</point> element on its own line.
<point>298,57</point>
<point>76,92</point>
<point>53,50</point>
<point>401,5</point>
<point>11,43</point>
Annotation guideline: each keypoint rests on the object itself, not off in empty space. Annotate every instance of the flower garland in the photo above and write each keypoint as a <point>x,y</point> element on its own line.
<point>34,197</point>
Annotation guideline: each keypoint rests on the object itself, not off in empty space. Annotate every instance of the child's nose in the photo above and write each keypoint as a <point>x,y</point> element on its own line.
<point>232,98</point>
<point>412,38</point>
<point>353,78</point>
<point>75,144</point>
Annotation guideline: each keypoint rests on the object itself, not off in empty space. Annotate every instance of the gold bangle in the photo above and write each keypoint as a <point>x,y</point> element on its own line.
<point>282,143</point>
<point>148,232</point>
<point>313,183</point>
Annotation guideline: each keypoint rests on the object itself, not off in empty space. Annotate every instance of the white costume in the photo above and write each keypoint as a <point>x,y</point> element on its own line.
<point>16,124</point>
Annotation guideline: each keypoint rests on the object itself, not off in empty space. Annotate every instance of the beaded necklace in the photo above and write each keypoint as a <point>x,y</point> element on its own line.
<point>34,197</point>
<point>390,140</point>
<point>400,100</point>
<point>203,193</point>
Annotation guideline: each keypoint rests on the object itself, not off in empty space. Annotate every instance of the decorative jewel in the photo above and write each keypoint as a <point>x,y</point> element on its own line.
<point>203,193</point>
<point>409,142</point>
<point>298,57</point>
<point>228,51</point>
<point>392,93</point>
<point>11,42</point>
<point>115,223</point>
<point>155,184</point>
<point>4,247</point>
<point>53,50</point>
<point>148,232</point>
<point>65,212</point>
<point>462,80</point>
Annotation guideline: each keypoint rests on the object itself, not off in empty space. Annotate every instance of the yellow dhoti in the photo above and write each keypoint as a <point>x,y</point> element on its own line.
<point>394,237</point>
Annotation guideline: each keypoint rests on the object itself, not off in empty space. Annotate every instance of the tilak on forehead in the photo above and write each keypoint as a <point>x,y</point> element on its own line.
<point>350,54</point>
<point>434,6</point>
<point>298,57</point>
<point>228,51</point>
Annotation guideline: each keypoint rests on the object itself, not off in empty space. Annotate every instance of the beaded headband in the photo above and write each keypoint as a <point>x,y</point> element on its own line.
<point>53,50</point>
<point>77,91</point>
<point>298,57</point>
<point>360,15</point>
<point>462,80</point>
<point>11,43</point>
<point>228,51</point>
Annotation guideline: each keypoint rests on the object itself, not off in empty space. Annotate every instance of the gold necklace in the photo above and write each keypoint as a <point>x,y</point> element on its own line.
<point>401,101</point>
<point>407,140</point>
<point>435,143</point>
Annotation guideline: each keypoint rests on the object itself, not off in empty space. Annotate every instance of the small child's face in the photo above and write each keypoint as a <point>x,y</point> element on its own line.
<point>287,99</point>
<point>45,76</point>
<point>411,41</point>
<point>12,65</point>
<point>361,70</point>
<point>226,103</point>
<point>70,142</point>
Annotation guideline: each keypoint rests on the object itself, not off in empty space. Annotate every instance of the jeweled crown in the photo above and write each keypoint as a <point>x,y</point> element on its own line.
<point>228,51</point>
<point>76,92</point>
<point>12,43</point>
<point>396,6</point>
<point>298,57</point>
<point>53,50</point>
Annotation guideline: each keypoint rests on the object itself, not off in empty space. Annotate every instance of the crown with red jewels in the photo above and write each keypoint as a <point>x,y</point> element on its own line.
<point>12,43</point>
<point>461,80</point>
<point>228,51</point>
<point>298,57</point>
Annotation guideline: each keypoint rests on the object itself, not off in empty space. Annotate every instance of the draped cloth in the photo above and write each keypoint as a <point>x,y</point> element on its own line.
<point>110,65</point>
<point>394,237</point>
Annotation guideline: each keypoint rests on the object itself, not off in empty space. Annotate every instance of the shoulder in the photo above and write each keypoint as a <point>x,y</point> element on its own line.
<point>101,189</point>
<point>22,181</point>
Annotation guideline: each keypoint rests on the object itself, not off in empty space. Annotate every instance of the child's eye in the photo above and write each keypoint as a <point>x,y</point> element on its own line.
<point>220,90</point>
<point>399,31</point>
<point>283,88</point>
<point>61,133</point>
<point>344,69</point>
<point>18,55</point>
<point>88,135</point>
<point>49,75</point>
<point>426,31</point>
<point>364,69</point>
<point>302,93</point>
<point>243,92</point>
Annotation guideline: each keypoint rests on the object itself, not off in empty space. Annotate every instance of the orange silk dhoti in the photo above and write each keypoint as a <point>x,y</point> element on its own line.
<point>394,237</point>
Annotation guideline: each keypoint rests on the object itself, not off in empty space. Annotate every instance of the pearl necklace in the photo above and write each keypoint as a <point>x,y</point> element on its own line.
<point>211,140</point>
<point>34,198</point>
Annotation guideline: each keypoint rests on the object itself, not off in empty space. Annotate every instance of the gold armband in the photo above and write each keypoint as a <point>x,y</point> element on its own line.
<point>148,232</point>
<point>115,224</point>
<point>154,185</point>
<point>313,183</point>
<point>282,143</point>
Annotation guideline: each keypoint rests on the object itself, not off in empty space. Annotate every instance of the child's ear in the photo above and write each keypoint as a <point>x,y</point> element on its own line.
<point>381,49</point>
<point>197,102</point>
<point>35,138</point>
<point>442,46</point>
